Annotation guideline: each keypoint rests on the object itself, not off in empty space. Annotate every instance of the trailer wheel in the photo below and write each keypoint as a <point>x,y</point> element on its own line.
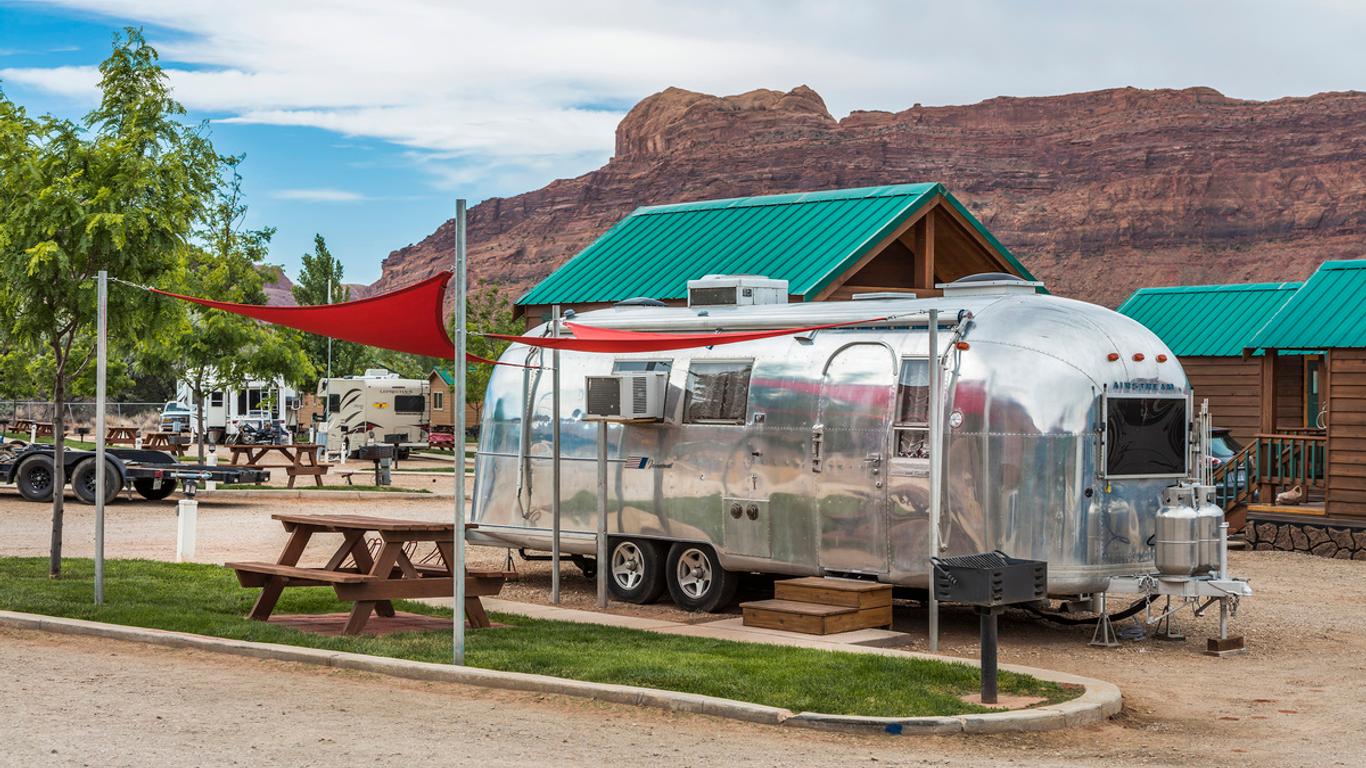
<point>83,481</point>
<point>34,478</point>
<point>637,571</point>
<point>697,582</point>
<point>153,489</point>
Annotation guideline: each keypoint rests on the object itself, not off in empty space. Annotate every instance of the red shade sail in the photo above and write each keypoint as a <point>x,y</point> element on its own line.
<point>588,338</point>
<point>407,320</point>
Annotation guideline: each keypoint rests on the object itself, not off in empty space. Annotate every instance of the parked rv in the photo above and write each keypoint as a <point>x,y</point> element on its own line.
<point>258,404</point>
<point>377,407</point>
<point>808,454</point>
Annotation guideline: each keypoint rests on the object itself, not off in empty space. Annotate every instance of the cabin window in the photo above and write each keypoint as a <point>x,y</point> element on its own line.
<point>438,401</point>
<point>1145,436</point>
<point>642,366</point>
<point>717,392</point>
<point>409,404</point>
<point>912,428</point>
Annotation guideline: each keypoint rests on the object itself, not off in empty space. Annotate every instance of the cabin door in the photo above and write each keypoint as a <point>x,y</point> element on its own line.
<point>849,442</point>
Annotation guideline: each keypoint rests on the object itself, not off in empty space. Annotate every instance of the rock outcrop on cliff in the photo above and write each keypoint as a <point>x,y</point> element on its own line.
<point>1097,193</point>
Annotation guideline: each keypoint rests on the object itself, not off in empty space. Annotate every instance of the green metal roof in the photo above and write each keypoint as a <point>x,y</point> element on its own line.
<point>809,239</point>
<point>1328,311</point>
<point>1207,320</point>
<point>445,376</point>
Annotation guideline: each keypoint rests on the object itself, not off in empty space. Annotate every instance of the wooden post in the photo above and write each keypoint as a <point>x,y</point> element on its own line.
<point>1266,457</point>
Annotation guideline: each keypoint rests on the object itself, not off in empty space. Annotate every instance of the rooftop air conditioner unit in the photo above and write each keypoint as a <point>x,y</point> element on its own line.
<point>736,291</point>
<point>633,396</point>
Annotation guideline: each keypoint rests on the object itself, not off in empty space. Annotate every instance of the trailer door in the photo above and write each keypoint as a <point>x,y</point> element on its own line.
<point>848,445</point>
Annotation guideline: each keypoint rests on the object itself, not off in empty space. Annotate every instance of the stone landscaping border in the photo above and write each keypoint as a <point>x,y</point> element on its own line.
<point>1342,541</point>
<point>1100,701</point>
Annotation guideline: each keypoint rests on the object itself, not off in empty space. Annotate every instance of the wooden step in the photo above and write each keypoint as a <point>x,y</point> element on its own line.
<point>812,618</point>
<point>850,593</point>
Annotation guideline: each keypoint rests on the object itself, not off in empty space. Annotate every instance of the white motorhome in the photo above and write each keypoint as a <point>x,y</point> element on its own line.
<point>376,407</point>
<point>255,403</point>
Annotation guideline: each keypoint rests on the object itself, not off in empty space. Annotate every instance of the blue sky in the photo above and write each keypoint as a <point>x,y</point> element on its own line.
<point>364,120</point>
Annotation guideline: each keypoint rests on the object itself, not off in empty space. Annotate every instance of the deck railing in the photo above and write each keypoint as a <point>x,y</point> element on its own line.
<point>1272,464</point>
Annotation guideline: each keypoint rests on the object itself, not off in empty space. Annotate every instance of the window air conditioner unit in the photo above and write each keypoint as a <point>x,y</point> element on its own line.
<point>634,396</point>
<point>736,291</point>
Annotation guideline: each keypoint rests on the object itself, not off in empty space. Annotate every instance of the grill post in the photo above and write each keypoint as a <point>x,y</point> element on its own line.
<point>988,656</point>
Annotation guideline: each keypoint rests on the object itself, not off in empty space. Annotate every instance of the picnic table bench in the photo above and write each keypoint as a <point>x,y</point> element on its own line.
<point>299,459</point>
<point>369,581</point>
<point>173,442</point>
<point>121,435</point>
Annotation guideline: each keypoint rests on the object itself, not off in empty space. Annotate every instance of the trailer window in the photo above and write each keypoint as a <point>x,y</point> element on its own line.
<point>216,399</point>
<point>641,366</point>
<point>717,392</point>
<point>409,404</point>
<point>1145,436</point>
<point>913,410</point>
<point>333,403</point>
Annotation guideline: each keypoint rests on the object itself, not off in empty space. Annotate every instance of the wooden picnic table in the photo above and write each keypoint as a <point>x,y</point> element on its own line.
<point>371,582</point>
<point>299,459</point>
<point>121,435</point>
<point>174,442</point>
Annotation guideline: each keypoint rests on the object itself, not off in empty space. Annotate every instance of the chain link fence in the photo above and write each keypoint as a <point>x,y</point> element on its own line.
<point>143,416</point>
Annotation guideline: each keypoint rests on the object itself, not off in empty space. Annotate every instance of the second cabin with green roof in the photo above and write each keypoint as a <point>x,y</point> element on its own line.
<point>827,245</point>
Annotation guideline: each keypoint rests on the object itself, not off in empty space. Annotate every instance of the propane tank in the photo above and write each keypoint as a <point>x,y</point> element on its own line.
<point>1208,517</point>
<point>1177,539</point>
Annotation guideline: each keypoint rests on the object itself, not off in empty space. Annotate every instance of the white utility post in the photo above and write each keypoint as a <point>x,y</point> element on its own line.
<point>603,565</point>
<point>936,462</point>
<point>101,366</point>
<point>329,338</point>
<point>458,424</point>
<point>555,460</point>
<point>187,525</point>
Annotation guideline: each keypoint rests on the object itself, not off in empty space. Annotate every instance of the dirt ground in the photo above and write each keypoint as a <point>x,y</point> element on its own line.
<point>1295,698</point>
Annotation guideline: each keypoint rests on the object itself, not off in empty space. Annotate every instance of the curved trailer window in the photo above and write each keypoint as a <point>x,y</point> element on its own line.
<point>1145,436</point>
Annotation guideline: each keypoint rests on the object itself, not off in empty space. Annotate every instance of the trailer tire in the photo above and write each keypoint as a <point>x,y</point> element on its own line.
<point>636,574</point>
<point>152,489</point>
<point>34,478</point>
<point>83,481</point>
<point>697,582</point>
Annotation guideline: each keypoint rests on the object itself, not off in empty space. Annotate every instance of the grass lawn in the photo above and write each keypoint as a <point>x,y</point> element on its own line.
<point>71,442</point>
<point>206,599</point>
<point>356,487</point>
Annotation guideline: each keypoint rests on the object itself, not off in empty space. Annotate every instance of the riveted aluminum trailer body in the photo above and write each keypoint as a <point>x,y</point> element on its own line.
<point>828,472</point>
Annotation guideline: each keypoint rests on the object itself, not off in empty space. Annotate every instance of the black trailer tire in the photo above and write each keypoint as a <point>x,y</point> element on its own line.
<point>35,477</point>
<point>152,489</point>
<point>83,481</point>
<point>636,574</point>
<point>697,582</point>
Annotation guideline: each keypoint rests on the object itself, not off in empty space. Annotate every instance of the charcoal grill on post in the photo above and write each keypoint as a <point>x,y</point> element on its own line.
<point>990,581</point>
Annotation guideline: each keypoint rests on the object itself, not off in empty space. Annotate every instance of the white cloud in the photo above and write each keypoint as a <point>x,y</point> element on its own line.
<point>319,195</point>
<point>519,90</point>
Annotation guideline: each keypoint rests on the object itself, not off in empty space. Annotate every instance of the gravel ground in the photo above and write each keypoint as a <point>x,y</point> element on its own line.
<point>1293,699</point>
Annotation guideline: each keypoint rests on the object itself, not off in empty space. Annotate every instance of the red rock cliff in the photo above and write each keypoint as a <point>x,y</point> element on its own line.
<point>1097,193</point>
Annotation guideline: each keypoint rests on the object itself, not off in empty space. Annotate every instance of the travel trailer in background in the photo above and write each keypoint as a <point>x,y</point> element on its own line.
<point>808,454</point>
<point>257,404</point>
<point>376,407</point>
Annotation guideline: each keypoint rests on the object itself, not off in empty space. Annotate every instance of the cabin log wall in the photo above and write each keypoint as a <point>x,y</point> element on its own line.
<point>1233,387</point>
<point>1346,393</point>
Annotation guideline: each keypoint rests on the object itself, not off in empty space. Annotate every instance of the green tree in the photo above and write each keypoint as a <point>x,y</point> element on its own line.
<point>321,271</point>
<point>120,191</point>
<point>213,350</point>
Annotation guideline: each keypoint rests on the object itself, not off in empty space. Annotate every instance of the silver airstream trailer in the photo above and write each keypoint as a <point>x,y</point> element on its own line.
<point>808,454</point>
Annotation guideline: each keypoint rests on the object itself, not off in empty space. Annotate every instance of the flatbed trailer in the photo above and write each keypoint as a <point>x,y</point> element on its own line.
<point>154,475</point>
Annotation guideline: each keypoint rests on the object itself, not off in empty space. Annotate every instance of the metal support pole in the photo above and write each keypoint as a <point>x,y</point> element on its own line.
<point>602,514</point>
<point>988,655</point>
<point>458,422</point>
<point>936,462</point>
<point>101,370</point>
<point>329,338</point>
<point>555,460</point>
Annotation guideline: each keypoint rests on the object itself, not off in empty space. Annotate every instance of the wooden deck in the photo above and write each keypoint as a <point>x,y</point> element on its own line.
<point>1310,509</point>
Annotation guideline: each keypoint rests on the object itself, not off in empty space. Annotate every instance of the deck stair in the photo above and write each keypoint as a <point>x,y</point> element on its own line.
<point>822,606</point>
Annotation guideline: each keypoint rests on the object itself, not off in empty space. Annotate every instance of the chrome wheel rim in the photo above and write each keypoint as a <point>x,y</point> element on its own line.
<point>628,565</point>
<point>694,573</point>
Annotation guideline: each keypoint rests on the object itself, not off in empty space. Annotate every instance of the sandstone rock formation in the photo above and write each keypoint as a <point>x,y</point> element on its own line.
<point>1097,193</point>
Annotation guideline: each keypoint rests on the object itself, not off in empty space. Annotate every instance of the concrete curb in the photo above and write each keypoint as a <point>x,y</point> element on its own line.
<point>337,495</point>
<point>1100,701</point>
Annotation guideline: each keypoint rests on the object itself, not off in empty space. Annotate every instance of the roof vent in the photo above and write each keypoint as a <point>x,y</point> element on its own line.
<point>990,284</point>
<point>640,301</point>
<point>736,291</point>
